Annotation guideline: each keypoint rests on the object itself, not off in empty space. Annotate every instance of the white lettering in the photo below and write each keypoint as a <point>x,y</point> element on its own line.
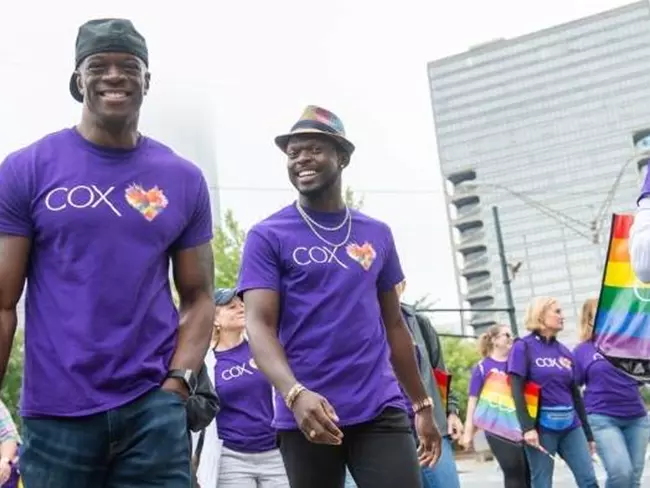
<point>304,256</point>
<point>79,197</point>
<point>547,363</point>
<point>236,372</point>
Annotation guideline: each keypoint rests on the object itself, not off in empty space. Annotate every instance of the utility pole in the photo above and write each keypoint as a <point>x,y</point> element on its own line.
<point>505,273</point>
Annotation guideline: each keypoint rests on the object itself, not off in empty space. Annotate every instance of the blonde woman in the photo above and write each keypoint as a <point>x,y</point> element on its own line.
<point>615,409</point>
<point>249,455</point>
<point>494,345</point>
<point>562,427</point>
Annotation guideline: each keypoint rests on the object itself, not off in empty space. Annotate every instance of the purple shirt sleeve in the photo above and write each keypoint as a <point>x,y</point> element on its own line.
<point>580,365</point>
<point>199,228</point>
<point>391,272</point>
<point>517,361</point>
<point>476,380</point>
<point>260,264</point>
<point>15,198</point>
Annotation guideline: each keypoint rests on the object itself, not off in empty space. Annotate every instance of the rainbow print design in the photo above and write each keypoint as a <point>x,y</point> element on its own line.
<point>149,202</point>
<point>443,380</point>
<point>495,409</point>
<point>622,324</point>
<point>364,255</point>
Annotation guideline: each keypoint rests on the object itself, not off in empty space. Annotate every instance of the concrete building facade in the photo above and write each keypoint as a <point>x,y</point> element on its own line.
<point>541,126</point>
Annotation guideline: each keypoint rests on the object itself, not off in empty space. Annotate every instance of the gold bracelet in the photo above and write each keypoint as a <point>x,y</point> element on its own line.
<point>292,396</point>
<point>422,404</point>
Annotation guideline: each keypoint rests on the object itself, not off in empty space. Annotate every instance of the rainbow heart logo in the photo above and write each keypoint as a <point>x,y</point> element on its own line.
<point>364,255</point>
<point>150,203</point>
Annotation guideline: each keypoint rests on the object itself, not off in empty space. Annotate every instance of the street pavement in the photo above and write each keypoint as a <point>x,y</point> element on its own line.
<point>487,475</point>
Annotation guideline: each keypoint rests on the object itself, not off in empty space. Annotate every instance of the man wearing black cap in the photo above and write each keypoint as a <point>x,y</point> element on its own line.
<point>91,217</point>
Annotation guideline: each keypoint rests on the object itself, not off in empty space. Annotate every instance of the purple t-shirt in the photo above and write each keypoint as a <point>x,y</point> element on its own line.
<point>608,391</point>
<point>330,323</point>
<point>480,372</point>
<point>549,364</point>
<point>101,325</point>
<point>244,421</point>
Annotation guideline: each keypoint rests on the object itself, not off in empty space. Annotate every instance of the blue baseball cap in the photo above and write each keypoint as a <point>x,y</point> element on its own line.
<point>223,296</point>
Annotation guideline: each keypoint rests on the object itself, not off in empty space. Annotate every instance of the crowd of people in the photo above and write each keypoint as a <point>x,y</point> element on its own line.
<point>309,373</point>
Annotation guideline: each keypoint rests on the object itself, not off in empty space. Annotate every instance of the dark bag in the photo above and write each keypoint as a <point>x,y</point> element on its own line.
<point>203,406</point>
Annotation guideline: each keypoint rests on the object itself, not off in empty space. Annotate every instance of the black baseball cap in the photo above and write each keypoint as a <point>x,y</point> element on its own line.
<point>103,36</point>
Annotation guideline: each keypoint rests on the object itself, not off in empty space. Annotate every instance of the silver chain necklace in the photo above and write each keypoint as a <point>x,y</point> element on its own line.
<point>306,216</point>
<point>308,221</point>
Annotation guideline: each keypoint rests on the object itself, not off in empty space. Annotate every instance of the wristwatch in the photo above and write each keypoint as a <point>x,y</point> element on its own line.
<point>187,376</point>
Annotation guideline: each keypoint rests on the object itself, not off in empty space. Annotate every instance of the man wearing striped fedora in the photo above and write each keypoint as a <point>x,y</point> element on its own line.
<point>324,323</point>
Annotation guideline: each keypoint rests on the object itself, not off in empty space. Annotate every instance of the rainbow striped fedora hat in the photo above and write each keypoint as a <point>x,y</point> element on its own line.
<point>317,120</point>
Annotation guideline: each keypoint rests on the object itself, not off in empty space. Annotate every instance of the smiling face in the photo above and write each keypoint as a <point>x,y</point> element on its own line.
<point>113,86</point>
<point>314,163</point>
<point>230,317</point>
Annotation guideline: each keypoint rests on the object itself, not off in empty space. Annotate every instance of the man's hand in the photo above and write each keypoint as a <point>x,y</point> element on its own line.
<point>429,436</point>
<point>175,385</point>
<point>454,427</point>
<point>316,418</point>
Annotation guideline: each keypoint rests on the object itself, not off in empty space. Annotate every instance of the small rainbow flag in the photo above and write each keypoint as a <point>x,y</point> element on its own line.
<point>443,379</point>
<point>495,410</point>
<point>622,324</point>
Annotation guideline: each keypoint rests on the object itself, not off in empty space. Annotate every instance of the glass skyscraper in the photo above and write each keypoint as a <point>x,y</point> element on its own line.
<point>541,126</point>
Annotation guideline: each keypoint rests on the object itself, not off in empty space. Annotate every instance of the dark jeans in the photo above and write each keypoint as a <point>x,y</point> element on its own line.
<point>379,454</point>
<point>512,460</point>
<point>140,445</point>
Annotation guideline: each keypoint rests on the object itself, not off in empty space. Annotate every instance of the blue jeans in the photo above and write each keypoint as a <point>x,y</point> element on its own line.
<point>621,445</point>
<point>139,445</point>
<point>443,474</point>
<point>572,446</point>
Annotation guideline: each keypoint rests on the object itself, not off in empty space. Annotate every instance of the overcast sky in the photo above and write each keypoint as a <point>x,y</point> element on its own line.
<point>261,62</point>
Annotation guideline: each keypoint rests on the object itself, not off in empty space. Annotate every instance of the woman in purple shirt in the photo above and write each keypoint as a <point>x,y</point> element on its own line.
<point>561,427</point>
<point>249,457</point>
<point>615,408</point>
<point>494,345</point>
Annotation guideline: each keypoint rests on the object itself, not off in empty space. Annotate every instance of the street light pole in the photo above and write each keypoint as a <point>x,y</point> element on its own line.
<point>504,271</point>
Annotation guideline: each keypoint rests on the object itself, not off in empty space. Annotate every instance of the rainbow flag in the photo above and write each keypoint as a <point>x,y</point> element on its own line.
<point>495,409</point>
<point>622,325</point>
<point>443,379</point>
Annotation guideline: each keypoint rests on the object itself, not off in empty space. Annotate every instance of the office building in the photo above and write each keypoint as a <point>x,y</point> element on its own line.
<point>543,127</point>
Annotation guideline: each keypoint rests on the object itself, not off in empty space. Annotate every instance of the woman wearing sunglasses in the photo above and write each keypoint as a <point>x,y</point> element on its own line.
<point>494,345</point>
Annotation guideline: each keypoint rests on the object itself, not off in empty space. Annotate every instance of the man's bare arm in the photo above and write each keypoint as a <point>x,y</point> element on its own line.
<point>261,308</point>
<point>194,279</point>
<point>401,346</point>
<point>14,254</point>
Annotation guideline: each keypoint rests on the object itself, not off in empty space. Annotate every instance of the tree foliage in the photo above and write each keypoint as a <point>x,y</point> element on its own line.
<point>460,356</point>
<point>12,384</point>
<point>227,248</point>
<point>351,199</point>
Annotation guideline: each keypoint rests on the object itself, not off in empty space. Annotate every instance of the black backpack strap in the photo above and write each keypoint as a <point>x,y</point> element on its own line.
<point>427,332</point>
<point>199,446</point>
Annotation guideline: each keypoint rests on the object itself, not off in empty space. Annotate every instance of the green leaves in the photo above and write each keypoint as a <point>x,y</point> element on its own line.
<point>460,356</point>
<point>227,247</point>
<point>12,384</point>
